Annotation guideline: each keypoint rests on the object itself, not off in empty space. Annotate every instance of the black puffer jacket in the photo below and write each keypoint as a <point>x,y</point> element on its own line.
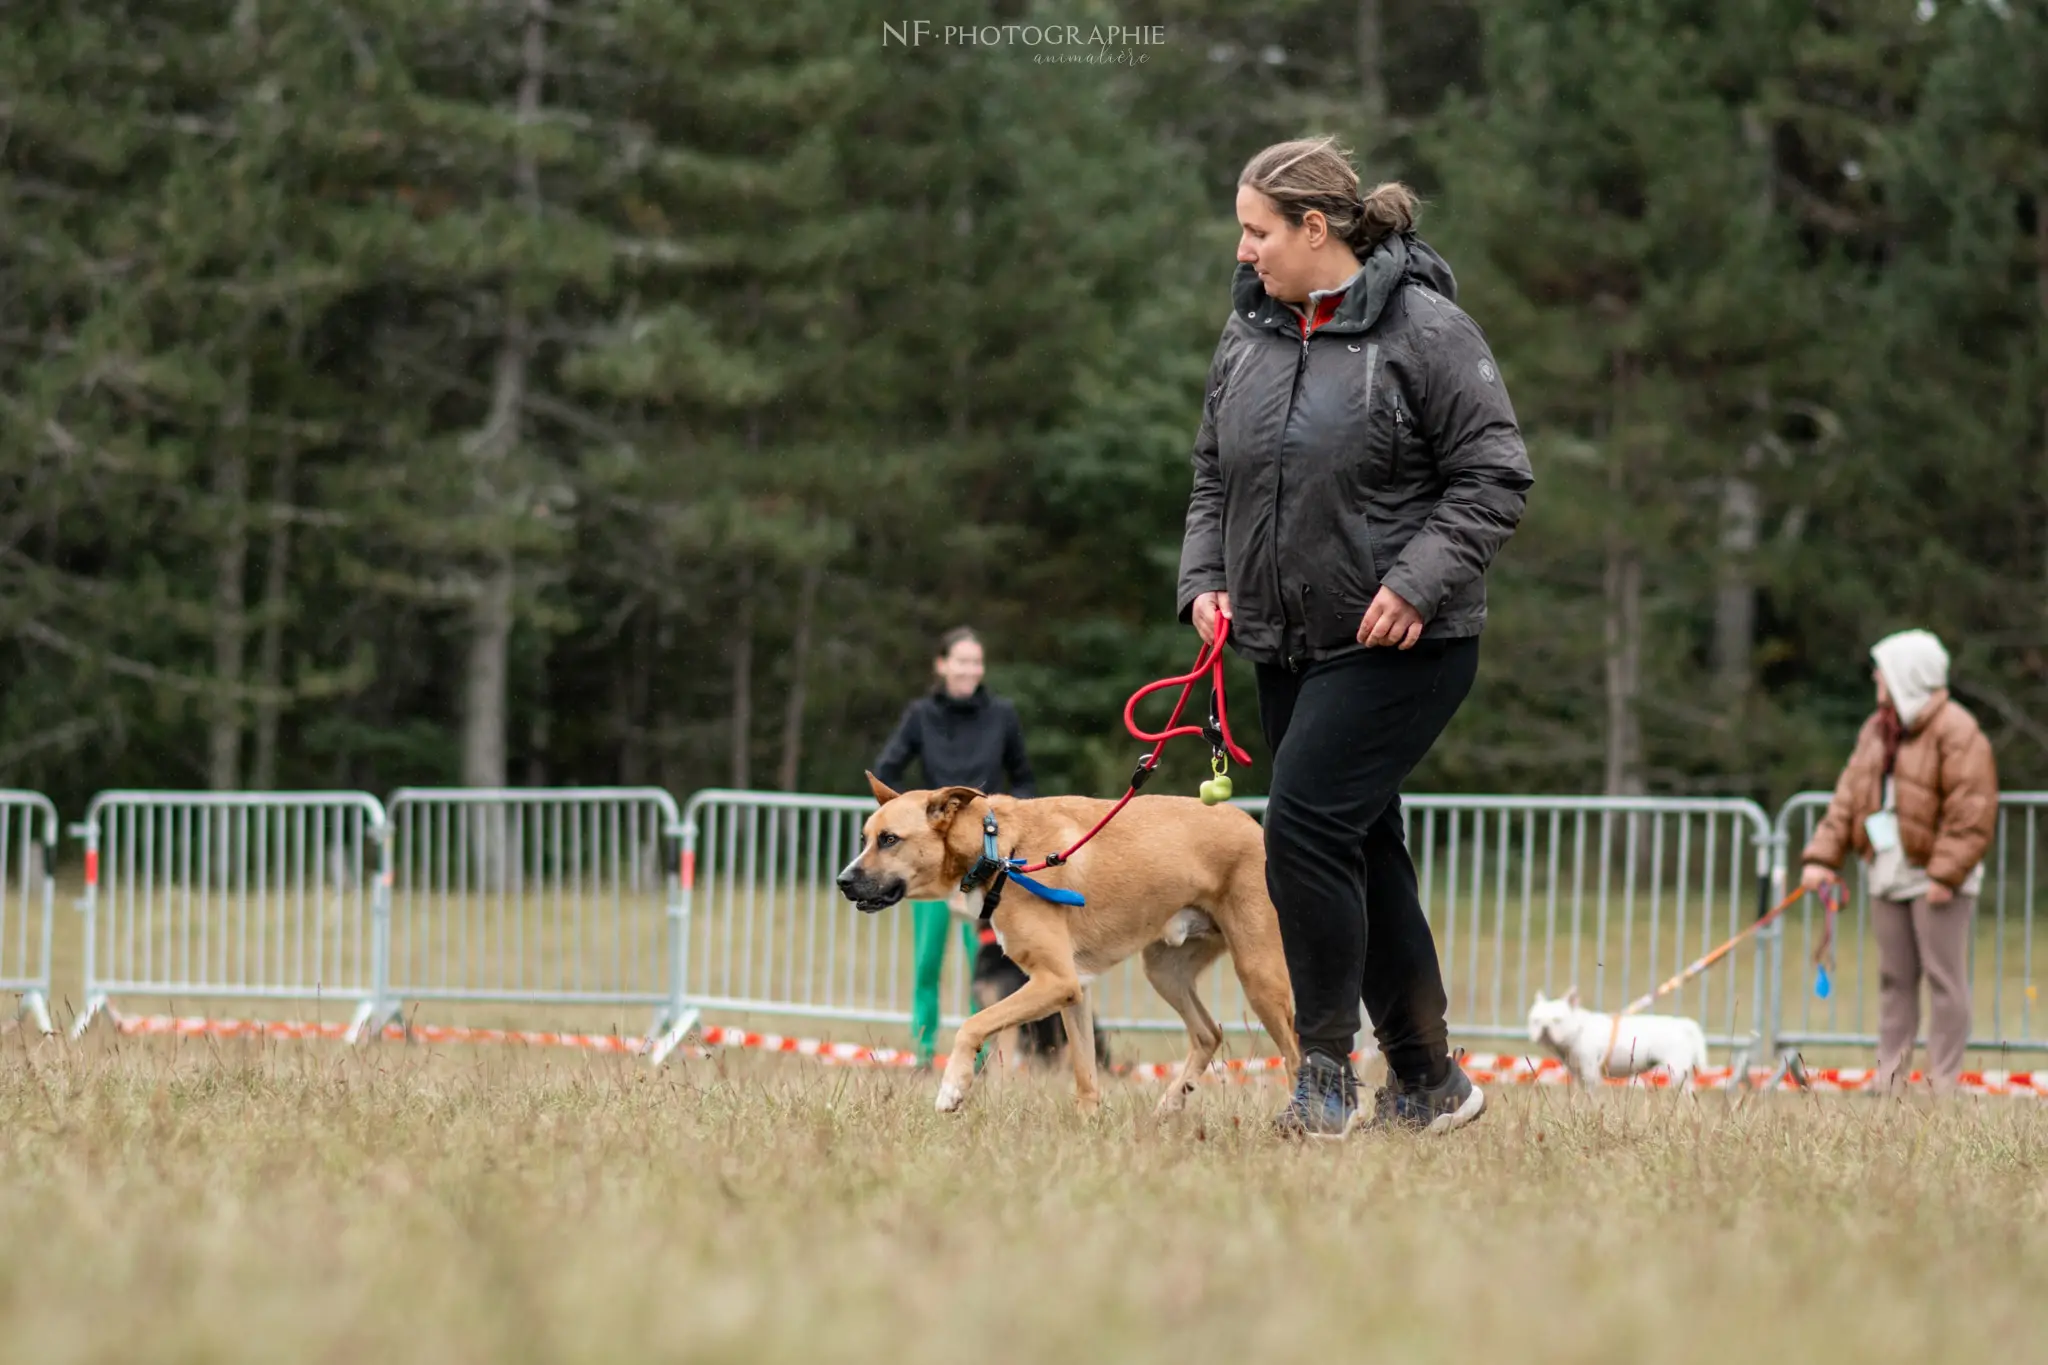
<point>963,742</point>
<point>1380,449</point>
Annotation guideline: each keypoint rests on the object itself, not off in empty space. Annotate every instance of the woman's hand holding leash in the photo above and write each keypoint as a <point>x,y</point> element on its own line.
<point>1390,621</point>
<point>1815,877</point>
<point>1208,607</point>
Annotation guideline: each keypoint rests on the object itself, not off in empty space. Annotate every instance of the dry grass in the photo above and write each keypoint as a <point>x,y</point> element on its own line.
<point>301,1202</point>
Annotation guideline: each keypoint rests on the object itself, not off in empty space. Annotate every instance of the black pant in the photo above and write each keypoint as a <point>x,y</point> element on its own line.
<point>1345,733</point>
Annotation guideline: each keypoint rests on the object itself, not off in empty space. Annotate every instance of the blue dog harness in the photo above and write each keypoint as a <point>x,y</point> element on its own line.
<point>993,869</point>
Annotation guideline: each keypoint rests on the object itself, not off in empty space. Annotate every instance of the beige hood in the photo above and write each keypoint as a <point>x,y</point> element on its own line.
<point>1915,667</point>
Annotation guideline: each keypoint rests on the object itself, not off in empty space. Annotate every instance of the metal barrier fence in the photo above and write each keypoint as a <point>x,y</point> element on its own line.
<point>2002,979</point>
<point>557,896</point>
<point>28,847</point>
<point>612,896</point>
<point>233,896</point>
<point>1611,895</point>
<point>1525,893</point>
<point>768,931</point>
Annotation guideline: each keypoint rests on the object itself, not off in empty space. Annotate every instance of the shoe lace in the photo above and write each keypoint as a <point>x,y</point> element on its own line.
<point>1304,1089</point>
<point>1315,1086</point>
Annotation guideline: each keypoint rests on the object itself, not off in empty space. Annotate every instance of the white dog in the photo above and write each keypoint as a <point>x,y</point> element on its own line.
<point>1593,1044</point>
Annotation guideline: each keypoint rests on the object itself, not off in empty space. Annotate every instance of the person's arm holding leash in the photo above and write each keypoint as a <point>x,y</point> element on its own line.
<point>1469,424</point>
<point>907,743</point>
<point>1202,595</point>
<point>1015,762</point>
<point>1822,860</point>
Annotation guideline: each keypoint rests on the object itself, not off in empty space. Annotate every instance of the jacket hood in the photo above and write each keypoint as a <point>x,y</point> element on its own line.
<point>1915,668</point>
<point>1404,257</point>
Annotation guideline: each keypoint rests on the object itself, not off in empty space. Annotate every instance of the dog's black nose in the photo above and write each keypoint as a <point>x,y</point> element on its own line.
<point>845,882</point>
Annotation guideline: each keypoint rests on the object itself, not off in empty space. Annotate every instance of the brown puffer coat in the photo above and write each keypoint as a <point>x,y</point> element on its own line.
<point>1947,795</point>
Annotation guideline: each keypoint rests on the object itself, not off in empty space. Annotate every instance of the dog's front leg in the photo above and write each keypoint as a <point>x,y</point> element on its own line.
<point>1080,1021</point>
<point>1041,995</point>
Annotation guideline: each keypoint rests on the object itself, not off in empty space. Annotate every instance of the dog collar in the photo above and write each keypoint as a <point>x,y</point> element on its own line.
<point>992,869</point>
<point>991,863</point>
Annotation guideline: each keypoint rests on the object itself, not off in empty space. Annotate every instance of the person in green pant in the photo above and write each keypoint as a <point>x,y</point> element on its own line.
<point>963,735</point>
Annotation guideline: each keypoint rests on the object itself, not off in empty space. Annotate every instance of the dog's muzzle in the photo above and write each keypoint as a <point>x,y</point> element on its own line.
<point>868,894</point>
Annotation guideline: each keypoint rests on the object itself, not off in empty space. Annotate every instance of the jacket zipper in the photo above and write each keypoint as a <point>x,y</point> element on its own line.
<point>1279,475</point>
<point>1372,374</point>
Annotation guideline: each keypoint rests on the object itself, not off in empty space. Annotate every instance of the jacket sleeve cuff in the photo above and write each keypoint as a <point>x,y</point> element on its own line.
<point>1409,586</point>
<point>1813,857</point>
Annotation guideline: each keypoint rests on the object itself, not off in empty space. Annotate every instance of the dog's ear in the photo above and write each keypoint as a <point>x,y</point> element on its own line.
<point>1571,997</point>
<point>883,793</point>
<point>948,802</point>
<point>1540,1001</point>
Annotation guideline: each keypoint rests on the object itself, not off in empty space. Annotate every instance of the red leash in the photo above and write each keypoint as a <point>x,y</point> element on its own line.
<point>1208,664</point>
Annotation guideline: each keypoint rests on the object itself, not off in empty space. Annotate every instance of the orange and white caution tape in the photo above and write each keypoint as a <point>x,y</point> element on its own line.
<point>192,1027</point>
<point>1835,1080</point>
<point>1236,1069</point>
<point>1485,1068</point>
<point>840,1054</point>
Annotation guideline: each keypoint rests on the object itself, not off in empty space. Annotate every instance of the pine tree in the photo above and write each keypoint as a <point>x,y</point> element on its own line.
<point>1610,210</point>
<point>167,272</point>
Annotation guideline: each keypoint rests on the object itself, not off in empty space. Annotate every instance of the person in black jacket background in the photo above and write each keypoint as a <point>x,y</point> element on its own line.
<point>964,736</point>
<point>1357,466</point>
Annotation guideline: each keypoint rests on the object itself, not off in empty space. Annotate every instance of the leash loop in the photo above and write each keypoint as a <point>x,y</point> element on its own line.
<point>1209,666</point>
<point>1222,745</point>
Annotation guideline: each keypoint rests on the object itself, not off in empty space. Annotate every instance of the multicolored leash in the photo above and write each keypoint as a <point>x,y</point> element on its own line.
<point>1833,897</point>
<point>1707,960</point>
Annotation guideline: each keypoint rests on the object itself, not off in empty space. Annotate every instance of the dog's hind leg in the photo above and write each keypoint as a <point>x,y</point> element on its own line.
<point>1172,969</point>
<point>1252,930</point>
<point>1080,1021</point>
<point>1004,1054</point>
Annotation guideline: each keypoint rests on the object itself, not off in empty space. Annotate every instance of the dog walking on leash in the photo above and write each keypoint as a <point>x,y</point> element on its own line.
<point>1175,880</point>
<point>1595,1045</point>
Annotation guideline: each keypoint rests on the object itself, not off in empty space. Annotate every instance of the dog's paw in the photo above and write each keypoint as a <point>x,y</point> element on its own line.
<point>1175,1100</point>
<point>951,1097</point>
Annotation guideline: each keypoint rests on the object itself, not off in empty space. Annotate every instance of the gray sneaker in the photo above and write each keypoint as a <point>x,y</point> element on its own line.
<point>1442,1108</point>
<point>1325,1103</point>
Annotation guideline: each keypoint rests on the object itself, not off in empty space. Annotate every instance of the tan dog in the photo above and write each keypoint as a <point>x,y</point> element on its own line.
<point>1171,878</point>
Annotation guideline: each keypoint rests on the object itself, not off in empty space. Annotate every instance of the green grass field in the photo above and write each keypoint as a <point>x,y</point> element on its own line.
<point>189,1201</point>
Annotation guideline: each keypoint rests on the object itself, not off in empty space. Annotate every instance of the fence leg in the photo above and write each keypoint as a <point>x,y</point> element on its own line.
<point>371,1018</point>
<point>34,1006</point>
<point>1772,966</point>
<point>95,1005</point>
<point>380,1011</point>
<point>668,1033</point>
<point>674,1021</point>
<point>88,833</point>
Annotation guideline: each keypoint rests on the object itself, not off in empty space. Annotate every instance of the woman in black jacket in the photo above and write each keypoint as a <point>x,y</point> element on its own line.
<point>965,736</point>
<point>1357,467</point>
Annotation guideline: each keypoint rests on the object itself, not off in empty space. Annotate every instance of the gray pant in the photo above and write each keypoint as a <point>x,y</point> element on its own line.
<point>1915,940</point>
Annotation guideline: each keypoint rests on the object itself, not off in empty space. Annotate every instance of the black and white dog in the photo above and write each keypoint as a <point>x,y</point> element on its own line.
<point>1042,1041</point>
